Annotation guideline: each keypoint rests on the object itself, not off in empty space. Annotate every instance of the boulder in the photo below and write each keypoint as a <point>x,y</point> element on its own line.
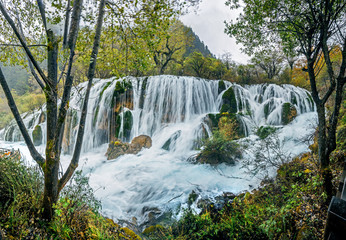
<point>118,148</point>
<point>142,141</point>
<point>289,112</point>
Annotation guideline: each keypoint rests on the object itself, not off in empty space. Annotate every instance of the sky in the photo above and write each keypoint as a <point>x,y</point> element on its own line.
<point>208,24</point>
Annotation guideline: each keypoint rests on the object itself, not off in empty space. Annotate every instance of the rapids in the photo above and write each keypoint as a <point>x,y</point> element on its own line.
<point>158,181</point>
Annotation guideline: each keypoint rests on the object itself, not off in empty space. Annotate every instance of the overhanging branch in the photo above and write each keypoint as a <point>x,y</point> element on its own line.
<point>11,103</point>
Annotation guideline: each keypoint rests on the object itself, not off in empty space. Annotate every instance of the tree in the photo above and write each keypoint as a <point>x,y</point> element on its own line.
<point>172,47</point>
<point>31,36</point>
<point>270,61</point>
<point>56,114</point>
<point>311,28</point>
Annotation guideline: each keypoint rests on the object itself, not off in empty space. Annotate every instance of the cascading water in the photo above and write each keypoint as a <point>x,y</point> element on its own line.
<point>173,112</point>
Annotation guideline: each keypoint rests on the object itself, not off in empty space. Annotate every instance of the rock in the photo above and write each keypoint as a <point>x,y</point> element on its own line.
<point>37,135</point>
<point>118,148</point>
<point>142,141</point>
<point>222,86</point>
<point>229,102</point>
<point>170,143</point>
<point>289,112</point>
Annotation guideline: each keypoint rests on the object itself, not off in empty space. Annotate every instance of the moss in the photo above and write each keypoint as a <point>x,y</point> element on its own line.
<point>293,99</point>
<point>265,131</point>
<point>192,198</point>
<point>174,137</point>
<point>289,112</point>
<point>117,126</point>
<point>74,118</point>
<point>37,135</point>
<point>229,101</point>
<point>142,97</point>
<point>104,88</point>
<point>156,230</point>
<point>311,101</point>
<point>31,122</point>
<point>222,86</point>
<point>266,110</point>
<point>121,87</point>
<point>96,114</point>
<point>128,234</point>
<point>225,108</point>
<point>214,119</point>
<point>127,126</point>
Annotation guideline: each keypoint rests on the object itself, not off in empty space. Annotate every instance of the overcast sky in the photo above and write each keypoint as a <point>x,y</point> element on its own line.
<point>208,24</point>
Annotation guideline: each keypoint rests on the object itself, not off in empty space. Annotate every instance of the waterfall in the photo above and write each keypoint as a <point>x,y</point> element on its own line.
<point>175,112</point>
<point>149,104</point>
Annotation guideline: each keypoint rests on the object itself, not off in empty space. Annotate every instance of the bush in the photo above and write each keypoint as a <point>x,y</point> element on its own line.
<point>218,150</point>
<point>76,213</point>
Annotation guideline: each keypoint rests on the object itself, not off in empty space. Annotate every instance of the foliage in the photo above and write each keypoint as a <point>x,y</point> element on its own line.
<point>221,148</point>
<point>76,217</point>
<point>264,131</point>
<point>289,112</point>
<point>266,154</point>
<point>290,207</point>
<point>27,103</point>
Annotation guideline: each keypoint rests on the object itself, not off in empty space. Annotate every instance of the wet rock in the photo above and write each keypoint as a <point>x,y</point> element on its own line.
<point>118,148</point>
<point>289,112</point>
<point>229,101</point>
<point>170,143</point>
<point>222,86</point>
<point>37,135</point>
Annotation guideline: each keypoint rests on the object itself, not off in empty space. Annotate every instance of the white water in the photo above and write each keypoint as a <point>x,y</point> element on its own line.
<point>164,179</point>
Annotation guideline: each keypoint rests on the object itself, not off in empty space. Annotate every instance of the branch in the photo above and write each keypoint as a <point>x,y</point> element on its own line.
<point>11,103</point>
<point>76,13</point>
<point>43,13</point>
<point>29,62</point>
<point>91,72</point>
<point>39,70</point>
<point>69,79</point>
<point>18,45</point>
<point>67,22</point>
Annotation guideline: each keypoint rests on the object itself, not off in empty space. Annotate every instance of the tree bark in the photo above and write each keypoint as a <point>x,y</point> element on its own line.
<point>51,168</point>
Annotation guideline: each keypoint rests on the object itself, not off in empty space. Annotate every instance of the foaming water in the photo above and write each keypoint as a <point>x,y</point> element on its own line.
<point>173,109</point>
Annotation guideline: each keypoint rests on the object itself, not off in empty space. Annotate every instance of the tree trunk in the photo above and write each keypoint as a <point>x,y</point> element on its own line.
<point>51,167</point>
